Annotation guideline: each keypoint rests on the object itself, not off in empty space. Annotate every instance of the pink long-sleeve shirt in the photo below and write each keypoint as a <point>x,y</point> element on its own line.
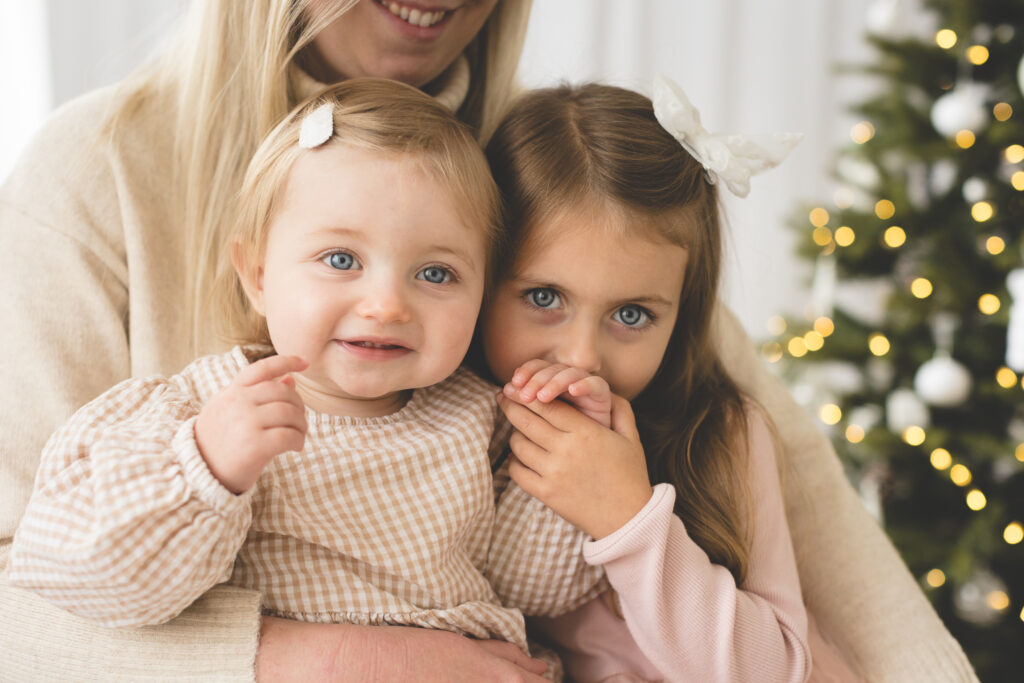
<point>685,619</point>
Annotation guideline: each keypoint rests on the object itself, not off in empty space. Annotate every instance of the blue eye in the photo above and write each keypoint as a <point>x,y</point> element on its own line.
<point>543,297</point>
<point>436,275</point>
<point>341,260</point>
<point>632,315</point>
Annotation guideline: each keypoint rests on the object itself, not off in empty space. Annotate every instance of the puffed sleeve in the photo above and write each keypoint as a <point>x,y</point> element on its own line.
<point>126,525</point>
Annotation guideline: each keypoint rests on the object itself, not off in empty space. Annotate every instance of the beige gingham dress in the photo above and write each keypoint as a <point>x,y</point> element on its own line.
<point>384,520</point>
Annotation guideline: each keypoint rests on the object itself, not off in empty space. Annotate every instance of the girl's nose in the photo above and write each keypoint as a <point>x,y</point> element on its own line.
<point>580,349</point>
<point>385,303</point>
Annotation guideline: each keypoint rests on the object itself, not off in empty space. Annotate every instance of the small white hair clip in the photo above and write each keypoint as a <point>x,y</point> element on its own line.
<point>729,158</point>
<point>318,127</point>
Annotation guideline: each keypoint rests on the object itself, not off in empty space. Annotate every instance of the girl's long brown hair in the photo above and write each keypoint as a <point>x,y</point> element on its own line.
<point>560,147</point>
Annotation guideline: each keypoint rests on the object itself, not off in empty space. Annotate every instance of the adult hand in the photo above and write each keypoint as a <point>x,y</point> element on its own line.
<point>544,381</point>
<point>299,651</point>
<point>596,478</point>
<point>255,418</point>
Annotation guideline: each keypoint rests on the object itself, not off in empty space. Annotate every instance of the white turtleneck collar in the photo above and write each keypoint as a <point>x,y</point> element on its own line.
<point>452,85</point>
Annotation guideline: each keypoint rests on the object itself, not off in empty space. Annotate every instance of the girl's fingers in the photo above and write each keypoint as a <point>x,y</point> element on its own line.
<point>270,368</point>
<point>559,384</point>
<point>623,420</point>
<point>535,427</point>
<point>527,370</point>
<point>527,479</point>
<point>557,416</point>
<point>528,453</point>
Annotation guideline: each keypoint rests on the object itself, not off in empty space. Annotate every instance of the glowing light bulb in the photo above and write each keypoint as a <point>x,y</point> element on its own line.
<point>1006,378</point>
<point>945,38</point>
<point>822,236</point>
<point>965,139</point>
<point>960,475</point>
<point>921,287</point>
<point>977,54</point>
<point>995,245</point>
<point>776,325</point>
<point>1014,154</point>
<point>940,459</point>
<point>878,344</point>
<point>1013,533</point>
<point>998,600</point>
<point>772,352</point>
<point>976,500</point>
<point>861,132</point>
<point>797,347</point>
<point>854,433</point>
<point>830,413</point>
<point>894,236</point>
<point>982,211</point>
<point>988,304</point>
<point>1019,452</point>
<point>1002,111</point>
<point>885,209</point>
<point>844,236</point>
<point>914,435</point>
<point>818,217</point>
<point>824,326</point>
<point>935,578</point>
<point>814,341</point>
<point>1017,180</point>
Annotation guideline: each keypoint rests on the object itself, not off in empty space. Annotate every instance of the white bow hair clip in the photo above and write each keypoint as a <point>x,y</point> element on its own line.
<point>729,158</point>
<point>318,127</point>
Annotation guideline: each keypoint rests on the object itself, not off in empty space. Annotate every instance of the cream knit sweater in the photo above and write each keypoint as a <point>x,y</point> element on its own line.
<point>91,272</point>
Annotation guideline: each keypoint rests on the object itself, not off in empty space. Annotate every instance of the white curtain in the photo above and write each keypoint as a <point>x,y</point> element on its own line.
<point>749,66</point>
<point>24,76</point>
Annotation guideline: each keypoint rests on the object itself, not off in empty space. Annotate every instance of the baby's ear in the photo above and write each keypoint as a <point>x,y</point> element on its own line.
<point>250,274</point>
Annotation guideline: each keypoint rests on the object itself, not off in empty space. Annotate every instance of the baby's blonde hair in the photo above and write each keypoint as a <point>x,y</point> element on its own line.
<point>372,114</point>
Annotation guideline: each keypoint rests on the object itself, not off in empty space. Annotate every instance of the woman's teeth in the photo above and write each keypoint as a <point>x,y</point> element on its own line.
<point>415,16</point>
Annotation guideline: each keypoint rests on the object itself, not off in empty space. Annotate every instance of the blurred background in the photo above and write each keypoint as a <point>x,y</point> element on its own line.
<point>876,268</point>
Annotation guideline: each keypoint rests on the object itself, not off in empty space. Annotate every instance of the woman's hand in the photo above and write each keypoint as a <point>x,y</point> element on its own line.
<point>255,418</point>
<point>301,652</point>
<point>544,381</point>
<point>596,478</point>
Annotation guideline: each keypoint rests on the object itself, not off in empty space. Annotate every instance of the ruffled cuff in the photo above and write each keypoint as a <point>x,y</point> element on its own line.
<point>200,479</point>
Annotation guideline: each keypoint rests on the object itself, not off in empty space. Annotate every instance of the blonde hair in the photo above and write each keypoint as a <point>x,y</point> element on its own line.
<point>370,114</point>
<point>602,146</point>
<point>226,79</point>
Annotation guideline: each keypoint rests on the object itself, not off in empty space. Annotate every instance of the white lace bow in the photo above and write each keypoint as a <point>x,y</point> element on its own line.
<point>729,158</point>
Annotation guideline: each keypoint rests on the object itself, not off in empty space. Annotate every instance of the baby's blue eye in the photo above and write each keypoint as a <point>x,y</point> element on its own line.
<point>632,316</point>
<point>542,297</point>
<point>341,260</point>
<point>435,275</point>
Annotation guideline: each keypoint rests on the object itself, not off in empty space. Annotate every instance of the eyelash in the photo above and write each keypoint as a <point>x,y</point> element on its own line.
<point>452,275</point>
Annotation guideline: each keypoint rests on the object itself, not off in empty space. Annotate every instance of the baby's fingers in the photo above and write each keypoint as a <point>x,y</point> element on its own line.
<point>525,372</point>
<point>560,383</point>
<point>592,386</point>
<point>541,379</point>
<point>281,414</point>
<point>270,368</point>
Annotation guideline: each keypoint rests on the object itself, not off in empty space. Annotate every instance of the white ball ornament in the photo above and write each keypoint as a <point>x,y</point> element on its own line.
<point>974,190</point>
<point>886,18</point>
<point>1015,325</point>
<point>943,381</point>
<point>904,408</point>
<point>1020,75</point>
<point>962,108</point>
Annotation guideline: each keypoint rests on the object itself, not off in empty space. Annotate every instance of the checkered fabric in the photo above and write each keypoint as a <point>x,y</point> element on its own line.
<point>386,520</point>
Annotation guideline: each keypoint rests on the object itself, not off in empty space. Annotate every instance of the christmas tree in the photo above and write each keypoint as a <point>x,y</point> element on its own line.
<point>913,351</point>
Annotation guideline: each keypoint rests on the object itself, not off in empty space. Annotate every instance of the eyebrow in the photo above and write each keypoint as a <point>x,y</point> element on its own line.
<point>647,299</point>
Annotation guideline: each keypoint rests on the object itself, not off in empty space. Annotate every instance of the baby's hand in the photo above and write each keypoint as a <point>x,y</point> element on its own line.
<point>252,420</point>
<point>544,381</point>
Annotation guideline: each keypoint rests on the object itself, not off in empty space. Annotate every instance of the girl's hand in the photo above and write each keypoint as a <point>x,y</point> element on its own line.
<point>596,478</point>
<point>255,418</point>
<point>544,381</point>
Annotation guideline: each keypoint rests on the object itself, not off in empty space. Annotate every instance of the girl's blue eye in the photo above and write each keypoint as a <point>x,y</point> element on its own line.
<point>436,275</point>
<point>341,260</point>
<point>632,315</point>
<point>543,297</point>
